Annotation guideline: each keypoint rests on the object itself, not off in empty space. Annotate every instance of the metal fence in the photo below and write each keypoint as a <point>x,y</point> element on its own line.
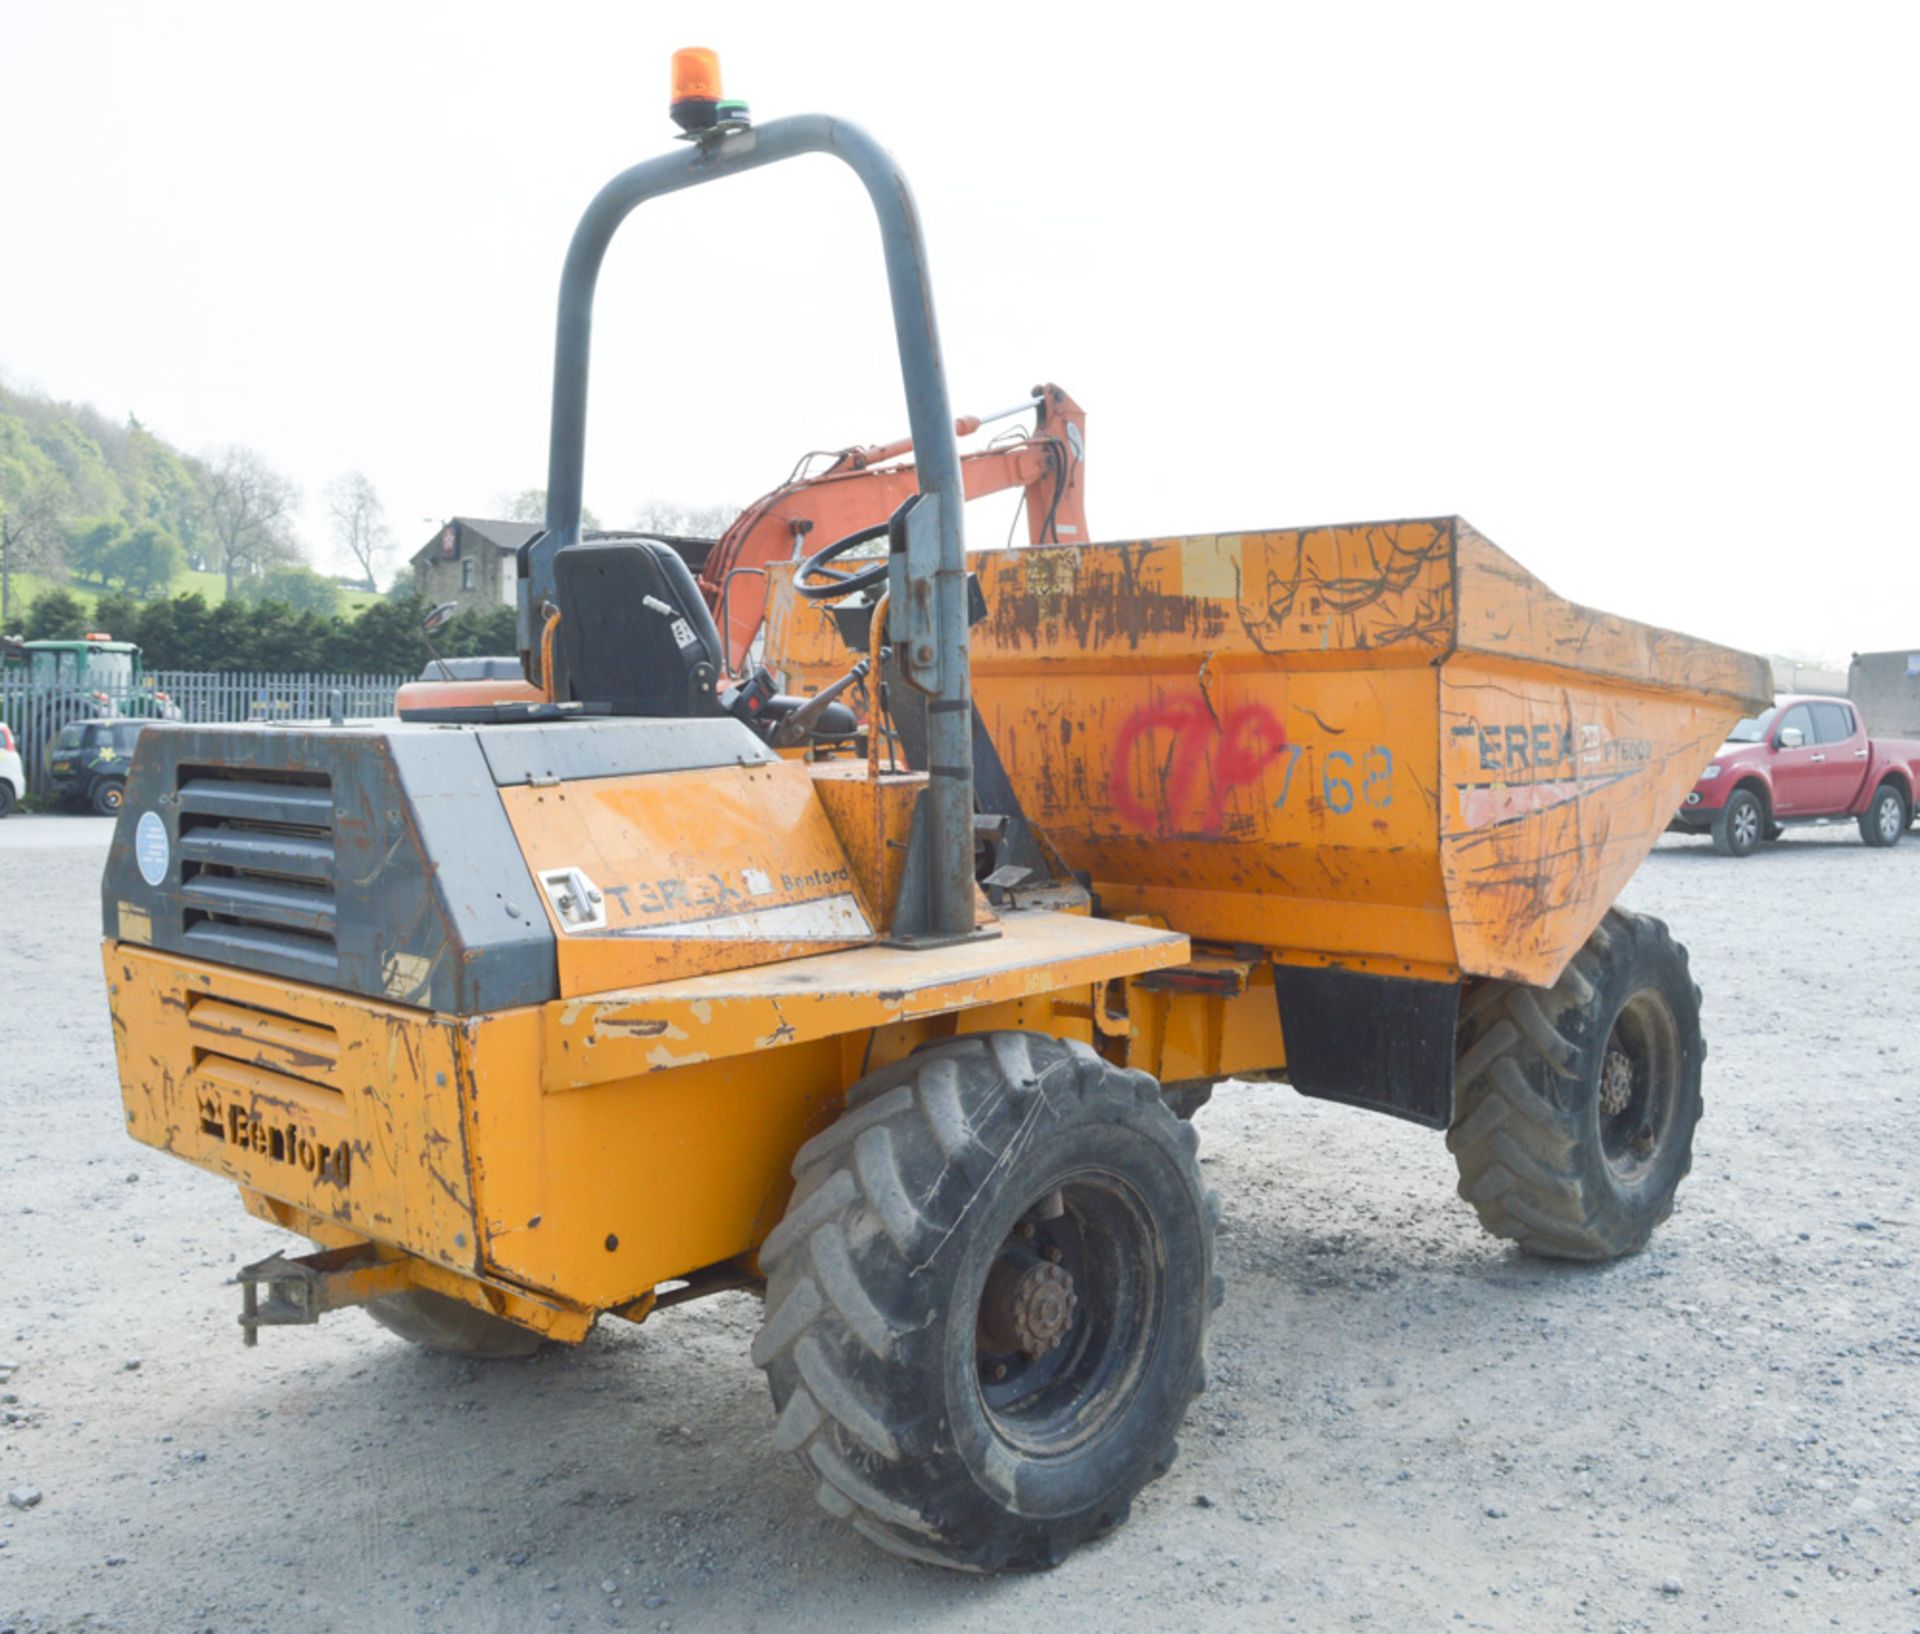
<point>204,695</point>
<point>38,713</point>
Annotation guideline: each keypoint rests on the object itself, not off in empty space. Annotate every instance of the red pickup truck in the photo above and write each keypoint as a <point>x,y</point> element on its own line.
<point>1804,759</point>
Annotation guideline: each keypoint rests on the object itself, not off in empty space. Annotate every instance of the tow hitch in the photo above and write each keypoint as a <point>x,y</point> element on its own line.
<point>281,1292</point>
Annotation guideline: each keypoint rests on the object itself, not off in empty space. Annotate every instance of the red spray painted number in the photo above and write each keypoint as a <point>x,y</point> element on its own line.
<point>1195,750</point>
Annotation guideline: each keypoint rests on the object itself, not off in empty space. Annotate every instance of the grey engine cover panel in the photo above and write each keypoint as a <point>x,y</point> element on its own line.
<point>432,904</point>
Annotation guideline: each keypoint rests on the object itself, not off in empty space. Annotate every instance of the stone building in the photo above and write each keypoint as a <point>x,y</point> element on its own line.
<point>470,562</point>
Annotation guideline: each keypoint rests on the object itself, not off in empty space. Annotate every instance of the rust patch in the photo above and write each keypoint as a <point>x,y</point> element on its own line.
<point>636,1027</point>
<point>1111,601</point>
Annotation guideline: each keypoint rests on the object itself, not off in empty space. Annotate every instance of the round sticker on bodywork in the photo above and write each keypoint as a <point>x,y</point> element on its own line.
<point>150,848</point>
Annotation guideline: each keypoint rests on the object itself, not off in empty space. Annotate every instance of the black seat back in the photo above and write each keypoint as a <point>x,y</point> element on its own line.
<point>635,637</point>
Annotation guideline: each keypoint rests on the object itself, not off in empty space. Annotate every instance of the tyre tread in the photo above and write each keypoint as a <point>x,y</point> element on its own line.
<point>880,1190</point>
<point>1519,1119</point>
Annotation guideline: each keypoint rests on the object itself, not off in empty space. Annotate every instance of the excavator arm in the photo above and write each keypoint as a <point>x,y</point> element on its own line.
<point>863,486</point>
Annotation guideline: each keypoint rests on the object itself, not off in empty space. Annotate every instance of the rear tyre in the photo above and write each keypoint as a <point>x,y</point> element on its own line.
<point>452,1326</point>
<point>1575,1105</point>
<point>6,800</point>
<point>987,1304</point>
<point>1738,825</point>
<point>1886,817</point>
<point>108,796</point>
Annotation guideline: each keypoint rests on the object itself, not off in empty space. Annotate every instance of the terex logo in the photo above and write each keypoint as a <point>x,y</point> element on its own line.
<point>280,1143</point>
<point>1506,748</point>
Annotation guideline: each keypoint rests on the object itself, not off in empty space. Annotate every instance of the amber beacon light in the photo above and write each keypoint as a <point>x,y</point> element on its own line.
<point>698,106</point>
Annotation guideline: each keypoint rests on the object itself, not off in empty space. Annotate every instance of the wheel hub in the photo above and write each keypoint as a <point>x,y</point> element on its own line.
<point>1616,1083</point>
<point>1030,1310</point>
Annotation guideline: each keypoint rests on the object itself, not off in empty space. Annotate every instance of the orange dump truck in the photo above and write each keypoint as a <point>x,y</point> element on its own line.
<point>578,1004</point>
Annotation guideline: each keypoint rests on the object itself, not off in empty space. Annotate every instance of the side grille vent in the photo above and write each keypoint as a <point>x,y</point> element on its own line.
<point>257,865</point>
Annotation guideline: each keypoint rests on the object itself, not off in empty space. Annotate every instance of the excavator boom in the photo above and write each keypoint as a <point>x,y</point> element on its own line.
<point>863,486</point>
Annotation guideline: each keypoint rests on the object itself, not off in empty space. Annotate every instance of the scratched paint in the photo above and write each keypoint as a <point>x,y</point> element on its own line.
<point>756,874</point>
<point>334,1105</point>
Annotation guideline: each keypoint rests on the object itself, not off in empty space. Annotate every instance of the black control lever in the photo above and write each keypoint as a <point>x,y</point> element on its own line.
<point>793,730</point>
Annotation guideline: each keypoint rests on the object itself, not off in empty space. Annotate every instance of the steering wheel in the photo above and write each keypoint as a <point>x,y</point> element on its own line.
<point>816,581</point>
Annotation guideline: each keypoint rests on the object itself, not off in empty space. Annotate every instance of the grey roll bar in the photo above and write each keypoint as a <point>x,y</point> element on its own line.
<point>927,613</point>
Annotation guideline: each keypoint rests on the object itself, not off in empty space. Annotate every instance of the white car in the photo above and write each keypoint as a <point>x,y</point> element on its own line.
<point>13,776</point>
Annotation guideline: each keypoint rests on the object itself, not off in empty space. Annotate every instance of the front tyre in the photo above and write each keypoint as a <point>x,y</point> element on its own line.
<point>1739,824</point>
<point>108,795</point>
<point>987,1304</point>
<point>1575,1105</point>
<point>1886,817</point>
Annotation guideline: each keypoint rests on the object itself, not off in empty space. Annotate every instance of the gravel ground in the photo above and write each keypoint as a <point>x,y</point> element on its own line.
<point>1409,1426</point>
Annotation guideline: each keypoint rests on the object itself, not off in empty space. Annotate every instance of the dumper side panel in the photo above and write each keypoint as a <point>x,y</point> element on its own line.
<point>603,1191</point>
<point>1276,809</point>
<point>1568,738</point>
<point>1234,733</point>
<point>1553,795</point>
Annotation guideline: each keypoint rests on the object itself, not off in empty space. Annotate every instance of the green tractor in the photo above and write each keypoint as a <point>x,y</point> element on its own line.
<point>93,676</point>
<point>53,693</point>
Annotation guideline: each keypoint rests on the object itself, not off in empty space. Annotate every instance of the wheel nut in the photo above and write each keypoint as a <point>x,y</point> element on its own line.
<point>1043,1307</point>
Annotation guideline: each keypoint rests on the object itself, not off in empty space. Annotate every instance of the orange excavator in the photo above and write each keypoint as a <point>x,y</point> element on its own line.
<point>853,494</point>
<point>861,487</point>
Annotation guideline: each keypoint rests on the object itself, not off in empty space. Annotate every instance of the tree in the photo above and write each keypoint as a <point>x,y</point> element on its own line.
<point>148,559</point>
<point>684,521</point>
<point>92,543</point>
<point>299,588</point>
<point>359,523</point>
<point>249,514</point>
<point>530,505</point>
<point>56,616</point>
<point>31,540</point>
<point>168,489</point>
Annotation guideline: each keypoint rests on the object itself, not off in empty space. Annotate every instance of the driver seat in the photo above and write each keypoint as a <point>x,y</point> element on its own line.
<point>635,636</point>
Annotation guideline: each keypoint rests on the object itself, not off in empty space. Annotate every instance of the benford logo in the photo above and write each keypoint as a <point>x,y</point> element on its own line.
<point>286,1143</point>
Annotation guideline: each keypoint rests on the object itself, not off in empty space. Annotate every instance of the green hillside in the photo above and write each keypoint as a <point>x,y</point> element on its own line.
<point>88,504</point>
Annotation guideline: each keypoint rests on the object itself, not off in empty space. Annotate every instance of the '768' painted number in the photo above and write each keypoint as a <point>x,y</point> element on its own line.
<point>1347,778</point>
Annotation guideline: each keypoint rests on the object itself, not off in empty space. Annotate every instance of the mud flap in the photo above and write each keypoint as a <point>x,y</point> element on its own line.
<point>1382,1042</point>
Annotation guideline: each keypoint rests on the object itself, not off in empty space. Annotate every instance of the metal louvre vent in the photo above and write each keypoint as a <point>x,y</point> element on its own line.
<point>257,866</point>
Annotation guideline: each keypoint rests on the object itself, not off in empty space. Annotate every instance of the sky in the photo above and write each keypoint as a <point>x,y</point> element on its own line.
<point>1633,288</point>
